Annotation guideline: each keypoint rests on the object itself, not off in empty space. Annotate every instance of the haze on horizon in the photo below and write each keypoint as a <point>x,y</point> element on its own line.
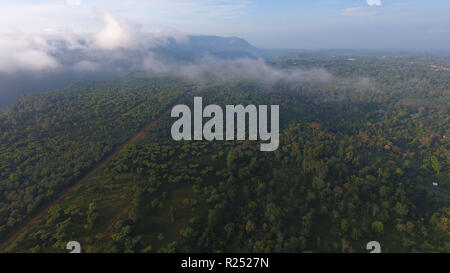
<point>310,24</point>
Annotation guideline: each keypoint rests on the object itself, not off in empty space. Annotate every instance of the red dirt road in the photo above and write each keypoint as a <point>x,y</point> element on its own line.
<point>22,228</point>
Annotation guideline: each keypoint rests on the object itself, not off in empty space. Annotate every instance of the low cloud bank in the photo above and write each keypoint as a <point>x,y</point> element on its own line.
<point>249,69</point>
<point>54,59</point>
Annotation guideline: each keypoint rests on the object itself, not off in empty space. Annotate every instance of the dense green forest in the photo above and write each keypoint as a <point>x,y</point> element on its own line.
<point>47,141</point>
<point>356,162</point>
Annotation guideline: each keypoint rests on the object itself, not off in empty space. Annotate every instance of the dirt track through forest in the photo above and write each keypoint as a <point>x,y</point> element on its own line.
<point>24,226</point>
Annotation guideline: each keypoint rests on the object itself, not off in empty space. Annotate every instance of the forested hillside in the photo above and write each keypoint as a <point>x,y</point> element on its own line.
<point>356,162</point>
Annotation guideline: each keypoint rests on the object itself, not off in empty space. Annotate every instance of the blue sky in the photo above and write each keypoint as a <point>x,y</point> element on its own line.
<point>309,24</point>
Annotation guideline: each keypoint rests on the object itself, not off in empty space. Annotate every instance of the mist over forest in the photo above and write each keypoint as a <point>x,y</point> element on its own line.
<point>51,60</point>
<point>92,155</point>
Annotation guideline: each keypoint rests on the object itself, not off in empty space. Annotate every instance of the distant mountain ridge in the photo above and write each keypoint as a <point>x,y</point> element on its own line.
<point>214,44</point>
<point>80,64</point>
<point>197,46</point>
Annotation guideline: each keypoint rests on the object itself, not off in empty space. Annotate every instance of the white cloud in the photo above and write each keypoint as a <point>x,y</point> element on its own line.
<point>246,69</point>
<point>80,51</point>
<point>117,33</point>
<point>374,2</point>
<point>21,52</point>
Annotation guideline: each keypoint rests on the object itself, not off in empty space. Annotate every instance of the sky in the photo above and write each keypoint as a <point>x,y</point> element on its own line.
<point>290,24</point>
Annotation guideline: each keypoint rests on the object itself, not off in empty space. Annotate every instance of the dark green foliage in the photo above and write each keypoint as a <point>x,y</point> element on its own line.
<point>48,141</point>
